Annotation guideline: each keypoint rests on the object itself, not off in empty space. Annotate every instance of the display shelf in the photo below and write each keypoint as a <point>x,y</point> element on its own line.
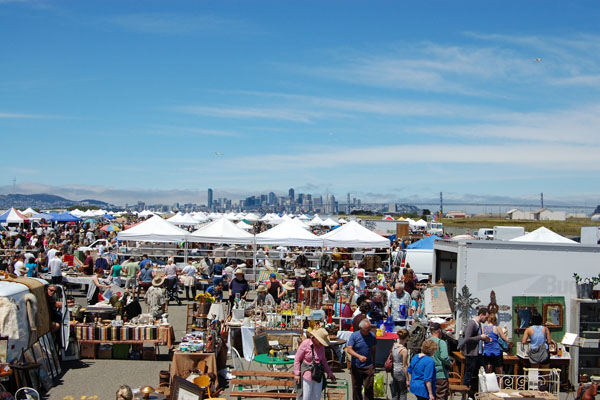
<point>584,316</point>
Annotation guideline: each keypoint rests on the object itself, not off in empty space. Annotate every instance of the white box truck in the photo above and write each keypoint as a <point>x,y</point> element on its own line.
<point>508,232</point>
<point>513,269</point>
<point>590,235</point>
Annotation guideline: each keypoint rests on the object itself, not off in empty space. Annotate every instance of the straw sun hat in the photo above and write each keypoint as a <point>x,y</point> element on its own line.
<point>158,281</point>
<point>321,335</point>
<point>288,286</point>
<point>261,288</point>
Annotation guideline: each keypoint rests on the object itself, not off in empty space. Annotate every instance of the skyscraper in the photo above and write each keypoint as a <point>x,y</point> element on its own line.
<point>291,194</point>
<point>210,199</point>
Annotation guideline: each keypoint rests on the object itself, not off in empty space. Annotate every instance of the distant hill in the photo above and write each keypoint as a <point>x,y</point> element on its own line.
<point>45,200</point>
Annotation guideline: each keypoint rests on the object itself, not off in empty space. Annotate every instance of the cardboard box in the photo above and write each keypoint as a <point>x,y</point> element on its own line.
<point>88,350</point>
<point>149,353</point>
<point>105,351</point>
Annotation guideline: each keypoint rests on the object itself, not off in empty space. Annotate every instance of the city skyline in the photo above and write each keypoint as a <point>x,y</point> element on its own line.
<point>391,101</point>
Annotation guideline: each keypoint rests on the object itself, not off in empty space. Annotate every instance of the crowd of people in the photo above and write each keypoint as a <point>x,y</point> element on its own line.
<point>381,292</point>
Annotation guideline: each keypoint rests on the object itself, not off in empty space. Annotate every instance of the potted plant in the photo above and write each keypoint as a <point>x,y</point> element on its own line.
<point>595,281</point>
<point>578,285</point>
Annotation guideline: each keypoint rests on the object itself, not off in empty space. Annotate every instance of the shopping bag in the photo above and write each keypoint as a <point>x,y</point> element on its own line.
<point>379,384</point>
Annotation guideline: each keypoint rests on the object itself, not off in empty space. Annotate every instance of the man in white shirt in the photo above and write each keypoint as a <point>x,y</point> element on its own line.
<point>100,250</point>
<point>55,266</point>
<point>51,253</point>
<point>19,267</point>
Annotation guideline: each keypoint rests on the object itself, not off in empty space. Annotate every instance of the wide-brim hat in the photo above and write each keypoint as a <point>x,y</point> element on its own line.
<point>158,281</point>
<point>321,335</point>
<point>261,288</point>
<point>345,275</point>
<point>288,286</point>
<point>239,271</point>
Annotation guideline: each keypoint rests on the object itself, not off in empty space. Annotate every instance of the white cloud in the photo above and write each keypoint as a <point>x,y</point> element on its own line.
<point>573,126</point>
<point>272,113</point>
<point>11,115</point>
<point>177,24</point>
<point>547,157</point>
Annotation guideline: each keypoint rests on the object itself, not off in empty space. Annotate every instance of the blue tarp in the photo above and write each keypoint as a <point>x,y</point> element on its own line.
<point>109,217</point>
<point>426,243</point>
<point>66,217</point>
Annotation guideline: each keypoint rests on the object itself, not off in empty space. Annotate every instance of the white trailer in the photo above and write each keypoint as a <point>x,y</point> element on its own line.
<point>590,235</point>
<point>507,232</point>
<point>513,269</point>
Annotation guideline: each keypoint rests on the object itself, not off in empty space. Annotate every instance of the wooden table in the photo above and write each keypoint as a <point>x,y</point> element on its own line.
<point>184,363</point>
<point>536,395</point>
<point>460,364</point>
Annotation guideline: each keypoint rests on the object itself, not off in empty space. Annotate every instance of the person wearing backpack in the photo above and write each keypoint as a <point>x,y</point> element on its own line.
<point>417,335</point>
<point>397,364</point>
<point>442,363</point>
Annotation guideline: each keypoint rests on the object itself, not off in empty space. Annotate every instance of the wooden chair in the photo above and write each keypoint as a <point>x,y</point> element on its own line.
<point>454,378</point>
<point>204,382</point>
<point>276,379</point>
<point>461,389</point>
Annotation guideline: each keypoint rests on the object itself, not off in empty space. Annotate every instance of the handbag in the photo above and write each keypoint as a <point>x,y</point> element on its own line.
<point>389,363</point>
<point>316,369</point>
<point>503,345</point>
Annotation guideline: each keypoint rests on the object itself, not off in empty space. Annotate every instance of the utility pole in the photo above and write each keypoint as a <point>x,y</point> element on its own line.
<point>441,205</point>
<point>542,199</point>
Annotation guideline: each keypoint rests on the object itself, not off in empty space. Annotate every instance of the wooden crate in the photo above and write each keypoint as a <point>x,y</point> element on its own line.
<point>335,394</point>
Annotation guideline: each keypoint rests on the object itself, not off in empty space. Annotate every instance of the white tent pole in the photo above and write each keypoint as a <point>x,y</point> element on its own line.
<point>185,252</point>
<point>254,257</point>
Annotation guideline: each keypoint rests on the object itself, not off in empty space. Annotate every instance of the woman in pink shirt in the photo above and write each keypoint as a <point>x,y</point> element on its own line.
<point>311,351</point>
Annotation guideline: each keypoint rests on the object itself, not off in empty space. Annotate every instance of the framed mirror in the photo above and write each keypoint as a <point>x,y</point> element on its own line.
<point>553,315</point>
<point>524,314</point>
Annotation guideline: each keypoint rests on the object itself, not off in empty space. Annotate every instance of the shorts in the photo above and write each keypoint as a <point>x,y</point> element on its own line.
<point>494,361</point>
<point>130,283</point>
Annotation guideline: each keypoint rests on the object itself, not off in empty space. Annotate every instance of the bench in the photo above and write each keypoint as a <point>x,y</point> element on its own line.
<point>248,380</point>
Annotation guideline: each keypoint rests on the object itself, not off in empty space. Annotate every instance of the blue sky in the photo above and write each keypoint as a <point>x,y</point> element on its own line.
<point>129,100</point>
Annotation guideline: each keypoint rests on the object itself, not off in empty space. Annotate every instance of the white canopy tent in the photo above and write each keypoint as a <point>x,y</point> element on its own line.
<point>221,231</point>
<point>300,223</point>
<point>289,233</point>
<point>316,221</point>
<point>244,225</point>
<point>421,223</point>
<point>200,217</point>
<point>154,229</point>
<point>355,235</point>
<point>542,235</point>
<point>187,220</point>
<point>251,217</point>
<point>329,222</point>
<point>175,218</point>
<point>29,212</point>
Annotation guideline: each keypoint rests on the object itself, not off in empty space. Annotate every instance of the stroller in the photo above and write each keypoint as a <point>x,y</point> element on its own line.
<point>172,290</point>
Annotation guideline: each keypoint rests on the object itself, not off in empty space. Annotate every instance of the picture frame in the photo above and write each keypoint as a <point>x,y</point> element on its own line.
<point>184,390</point>
<point>523,315</point>
<point>552,316</point>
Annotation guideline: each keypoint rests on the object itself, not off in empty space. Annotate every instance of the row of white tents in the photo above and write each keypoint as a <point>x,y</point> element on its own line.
<point>287,233</point>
